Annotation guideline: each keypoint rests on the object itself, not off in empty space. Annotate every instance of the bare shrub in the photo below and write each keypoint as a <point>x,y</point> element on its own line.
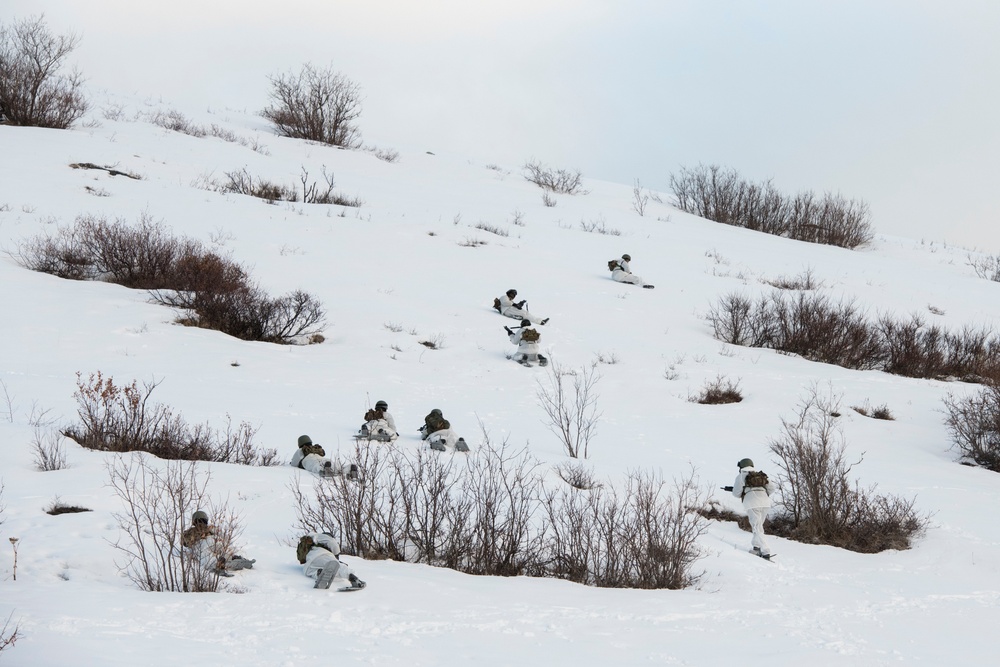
<point>472,243</point>
<point>35,89</point>
<point>723,195</point>
<point>242,182</point>
<point>215,292</point>
<point>389,155</point>
<point>8,635</point>
<point>548,200</point>
<point>490,514</point>
<point>985,266</point>
<point>318,104</point>
<point>599,226</point>
<point>559,181</point>
<point>47,449</point>
<point>177,122</point>
<point>157,502</point>
<point>819,329</point>
<point>492,229</point>
<point>640,537</point>
<point>639,198</point>
<point>577,475</point>
<point>719,392</point>
<point>572,412</point>
<point>804,281</point>
<point>122,418</point>
<point>57,507</point>
<point>819,503</point>
<point>879,412</point>
<point>974,424</point>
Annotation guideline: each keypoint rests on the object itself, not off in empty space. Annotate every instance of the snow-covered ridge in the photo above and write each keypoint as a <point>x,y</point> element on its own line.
<point>408,266</point>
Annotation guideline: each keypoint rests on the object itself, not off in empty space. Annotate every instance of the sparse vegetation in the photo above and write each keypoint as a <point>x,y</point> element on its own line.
<point>490,514</point>
<point>974,424</point>
<point>157,503</point>
<point>47,449</point>
<point>723,195</point>
<point>572,412</point>
<point>242,182</point>
<point>804,281</point>
<point>210,290</point>
<point>599,226</point>
<point>57,507</point>
<point>318,104</point>
<point>719,392</point>
<point>35,88</point>
<point>122,418</point>
<point>819,502</point>
<point>880,412</point>
<point>559,181</point>
<point>492,229</point>
<point>985,266</point>
<point>819,329</point>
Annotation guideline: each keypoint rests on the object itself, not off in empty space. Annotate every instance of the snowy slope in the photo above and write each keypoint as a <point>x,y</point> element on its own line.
<point>403,261</point>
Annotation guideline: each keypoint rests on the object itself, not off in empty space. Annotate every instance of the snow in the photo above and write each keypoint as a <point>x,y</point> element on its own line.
<point>403,261</point>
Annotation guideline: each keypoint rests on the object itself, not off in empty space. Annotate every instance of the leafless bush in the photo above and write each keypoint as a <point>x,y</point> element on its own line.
<point>517,218</point>
<point>8,635</point>
<point>559,181</point>
<point>492,229</point>
<point>47,449</point>
<point>723,195</point>
<point>122,418</point>
<point>157,503</point>
<point>599,226</point>
<point>216,292</point>
<point>974,424</point>
<point>176,122</point>
<point>242,182</point>
<point>640,537</point>
<point>819,329</point>
<point>34,89</point>
<point>389,155</point>
<point>577,475</point>
<point>472,243</point>
<point>879,412</point>
<point>609,359</point>
<point>719,392</point>
<point>573,418</point>
<point>435,342</point>
<point>819,502</point>
<point>490,514</point>
<point>548,200</point>
<point>639,198</point>
<point>804,281</point>
<point>985,266</point>
<point>317,104</point>
<point>57,507</point>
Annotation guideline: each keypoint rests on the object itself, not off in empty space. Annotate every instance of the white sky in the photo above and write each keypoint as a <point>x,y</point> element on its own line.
<point>892,101</point>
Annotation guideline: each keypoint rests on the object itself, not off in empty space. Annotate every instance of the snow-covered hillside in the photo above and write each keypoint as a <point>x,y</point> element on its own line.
<point>411,264</point>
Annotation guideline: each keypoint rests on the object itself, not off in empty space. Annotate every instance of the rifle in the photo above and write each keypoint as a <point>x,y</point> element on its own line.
<point>727,488</point>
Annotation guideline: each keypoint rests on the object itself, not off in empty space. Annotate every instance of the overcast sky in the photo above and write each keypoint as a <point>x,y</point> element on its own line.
<point>891,101</point>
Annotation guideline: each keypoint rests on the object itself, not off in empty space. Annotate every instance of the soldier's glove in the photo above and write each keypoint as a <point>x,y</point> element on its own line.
<point>521,304</point>
<point>507,329</point>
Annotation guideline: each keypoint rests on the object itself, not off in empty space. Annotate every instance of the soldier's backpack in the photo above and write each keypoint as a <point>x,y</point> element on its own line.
<point>496,304</point>
<point>530,335</point>
<point>613,264</point>
<point>312,449</point>
<point>302,550</point>
<point>754,479</point>
<point>374,415</point>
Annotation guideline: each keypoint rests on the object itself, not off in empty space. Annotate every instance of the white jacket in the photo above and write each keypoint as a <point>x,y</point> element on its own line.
<point>320,558</point>
<point>755,496</point>
<point>523,346</point>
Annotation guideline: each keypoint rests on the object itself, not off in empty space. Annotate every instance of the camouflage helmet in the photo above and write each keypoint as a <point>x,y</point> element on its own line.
<point>512,293</point>
<point>381,405</point>
<point>436,412</point>
<point>627,257</point>
<point>525,323</point>
<point>304,440</point>
<point>199,516</point>
<point>745,463</point>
